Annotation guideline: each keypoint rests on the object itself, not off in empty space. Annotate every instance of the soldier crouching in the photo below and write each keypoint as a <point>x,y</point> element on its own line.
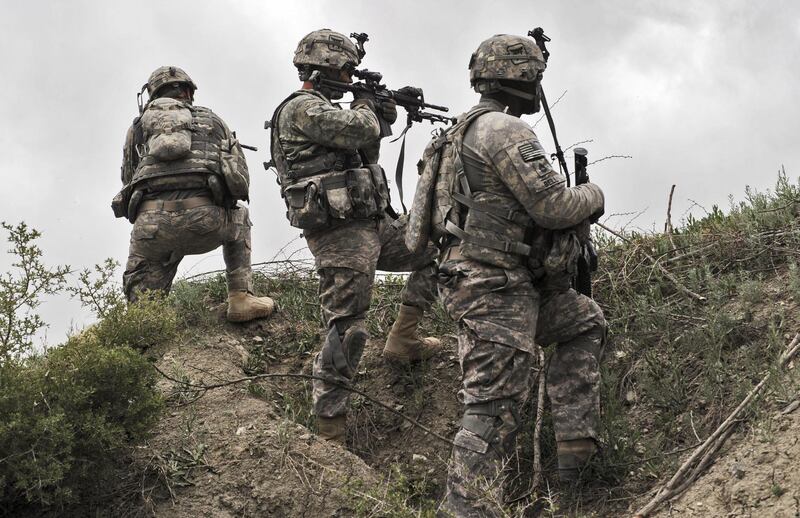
<point>183,172</point>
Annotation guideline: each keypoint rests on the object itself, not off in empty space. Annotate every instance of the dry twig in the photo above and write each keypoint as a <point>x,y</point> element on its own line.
<point>701,458</point>
<point>205,388</point>
<point>664,271</point>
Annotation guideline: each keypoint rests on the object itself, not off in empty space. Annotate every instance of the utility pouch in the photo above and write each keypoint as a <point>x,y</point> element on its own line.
<point>234,169</point>
<point>382,197</point>
<point>564,254</point>
<point>362,192</point>
<point>120,202</point>
<point>337,194</point>
<point>304,206</point>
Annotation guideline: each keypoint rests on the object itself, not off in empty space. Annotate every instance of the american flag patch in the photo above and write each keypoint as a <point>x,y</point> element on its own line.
<point>530,151</point>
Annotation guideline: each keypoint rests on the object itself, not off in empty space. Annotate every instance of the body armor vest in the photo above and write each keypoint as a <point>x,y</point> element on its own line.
<point>209,139</point>
<point>333,185</point>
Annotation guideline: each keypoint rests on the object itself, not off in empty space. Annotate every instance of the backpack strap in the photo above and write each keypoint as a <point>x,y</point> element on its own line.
<point>466,199</point>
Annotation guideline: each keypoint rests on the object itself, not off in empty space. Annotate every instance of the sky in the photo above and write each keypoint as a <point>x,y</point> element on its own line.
<point>700,95</point>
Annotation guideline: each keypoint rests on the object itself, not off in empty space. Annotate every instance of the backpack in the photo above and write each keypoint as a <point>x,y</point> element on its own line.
<point>167,129</point>
<point>434,209</point>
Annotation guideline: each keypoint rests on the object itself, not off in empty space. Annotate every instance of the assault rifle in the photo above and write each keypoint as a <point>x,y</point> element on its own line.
<point>587,261</point>
<point>410,98</point>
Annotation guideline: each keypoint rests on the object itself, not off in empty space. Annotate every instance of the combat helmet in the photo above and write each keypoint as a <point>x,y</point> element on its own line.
<point>325,48</point>
<point>505,57</point>
<point>167,75</point>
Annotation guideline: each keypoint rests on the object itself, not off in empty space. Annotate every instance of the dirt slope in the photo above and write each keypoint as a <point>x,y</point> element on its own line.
<point>758,475</point>
<point>230,454</point>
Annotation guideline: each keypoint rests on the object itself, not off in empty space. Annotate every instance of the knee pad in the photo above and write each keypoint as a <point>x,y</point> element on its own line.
<point>343,354</point>
<point>492,424</point>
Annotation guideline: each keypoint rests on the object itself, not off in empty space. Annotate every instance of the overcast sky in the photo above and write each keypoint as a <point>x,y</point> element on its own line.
<point>702,95</point>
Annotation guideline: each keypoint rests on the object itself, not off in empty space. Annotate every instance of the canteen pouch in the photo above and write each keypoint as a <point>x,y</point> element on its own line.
<point>337,194</point>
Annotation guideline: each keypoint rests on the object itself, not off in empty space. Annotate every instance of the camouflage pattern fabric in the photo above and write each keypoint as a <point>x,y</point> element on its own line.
<point>346,258</point>
<point>516,168</point>
<point>500,315</point>
<point>348,252</point>
<point>505,303</point>
<point>311,125</point>
<point>160,239</point>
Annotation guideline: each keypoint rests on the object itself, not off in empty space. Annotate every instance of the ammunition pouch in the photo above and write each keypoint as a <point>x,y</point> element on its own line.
<point>120,202</point>
<point>318,201</point>
<point>343,355</point>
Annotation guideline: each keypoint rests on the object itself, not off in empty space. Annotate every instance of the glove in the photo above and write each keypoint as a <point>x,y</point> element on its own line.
<point>388,110</point>
<point>363,98</point>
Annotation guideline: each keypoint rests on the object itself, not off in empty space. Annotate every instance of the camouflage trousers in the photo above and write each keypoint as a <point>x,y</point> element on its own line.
<point>346,258</point>
<point>160,239</point>
<point>501,315</point>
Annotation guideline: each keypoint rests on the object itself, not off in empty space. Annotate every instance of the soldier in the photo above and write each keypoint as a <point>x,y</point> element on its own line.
<point>183,172</point>
<point>509,232</point>
<point>326,158</point>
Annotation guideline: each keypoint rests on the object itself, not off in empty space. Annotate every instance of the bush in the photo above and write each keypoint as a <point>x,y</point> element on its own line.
<point>68,415</point>
<point>150,321</point>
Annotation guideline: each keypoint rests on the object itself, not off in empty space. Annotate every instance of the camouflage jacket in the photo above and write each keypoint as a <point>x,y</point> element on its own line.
<point>515,166</point>
<point>511,198</point>
<point>309,125</point>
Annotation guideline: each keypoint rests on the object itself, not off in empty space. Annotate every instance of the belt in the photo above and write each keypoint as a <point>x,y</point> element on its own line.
<point>175,205</point>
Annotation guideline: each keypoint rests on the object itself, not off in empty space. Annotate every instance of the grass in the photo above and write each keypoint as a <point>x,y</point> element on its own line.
<point>673,367</point>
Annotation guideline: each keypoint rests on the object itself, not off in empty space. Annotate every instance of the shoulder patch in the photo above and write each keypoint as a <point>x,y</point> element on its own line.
<point>530,151</point>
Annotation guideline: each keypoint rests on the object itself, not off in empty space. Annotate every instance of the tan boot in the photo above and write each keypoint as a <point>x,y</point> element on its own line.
<point>332,429</point>
<point>573,456</point>
<point>244,306</point>
<point>402,344</point>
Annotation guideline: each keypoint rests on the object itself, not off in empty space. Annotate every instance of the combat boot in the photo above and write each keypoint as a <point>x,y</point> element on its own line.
<point>402,344</point>
<point>573,456</point>
<point>244,306</point>
<point>332,429</point>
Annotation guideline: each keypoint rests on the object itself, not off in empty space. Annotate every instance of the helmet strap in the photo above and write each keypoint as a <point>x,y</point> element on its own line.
<point>517,93</point>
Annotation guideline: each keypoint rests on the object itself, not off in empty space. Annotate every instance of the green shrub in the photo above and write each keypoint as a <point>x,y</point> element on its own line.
<point>148,322</point>
<point>68,416</point>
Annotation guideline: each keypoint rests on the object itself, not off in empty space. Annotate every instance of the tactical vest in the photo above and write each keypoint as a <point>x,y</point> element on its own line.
<point>213,151</point>
<point>331,187</point>
<point>451,206</point>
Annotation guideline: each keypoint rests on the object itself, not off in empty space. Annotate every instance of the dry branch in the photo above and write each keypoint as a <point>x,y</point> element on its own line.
<point>701,458</point>
<point>664,271</point>
<point>205,388</point>
<point>537,428</point>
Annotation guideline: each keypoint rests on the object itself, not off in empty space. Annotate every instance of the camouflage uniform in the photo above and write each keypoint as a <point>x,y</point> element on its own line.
<point>507,259</point>
<point>326,159</point>
<point>176,211</point>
